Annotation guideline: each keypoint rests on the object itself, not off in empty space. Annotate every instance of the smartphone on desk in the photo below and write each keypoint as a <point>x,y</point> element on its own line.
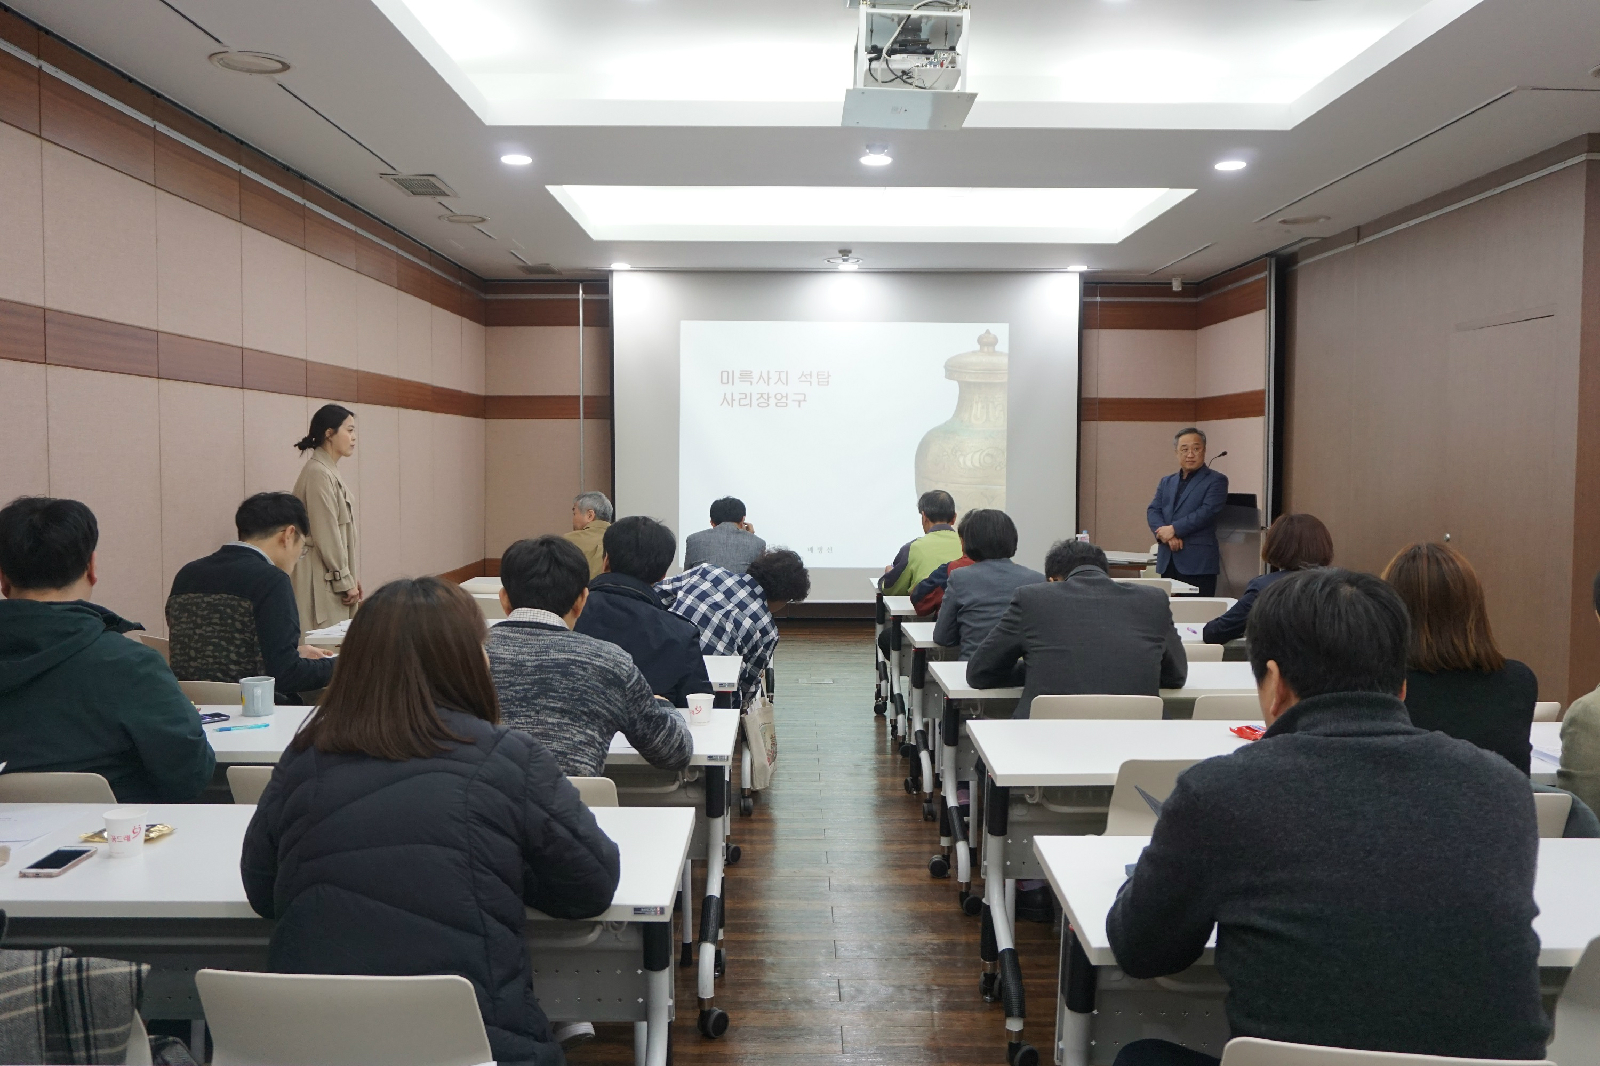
<point>57,862</point>
<point>214,716</point>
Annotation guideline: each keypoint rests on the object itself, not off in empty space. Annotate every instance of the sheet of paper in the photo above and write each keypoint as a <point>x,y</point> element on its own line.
<point>21,825</point>
<point>1551,757</point>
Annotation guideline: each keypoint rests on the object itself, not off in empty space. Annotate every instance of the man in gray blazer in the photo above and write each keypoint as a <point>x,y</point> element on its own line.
<point>1081,632</point>
<point>730,543</point>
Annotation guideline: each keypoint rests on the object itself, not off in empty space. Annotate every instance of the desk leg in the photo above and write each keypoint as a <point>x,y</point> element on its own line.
<point>713,1020</point>
<point>686,959</point>
<point>953,830</point>
<point>896,640</point>
<point>880,693</point>
<point>658,995</point>
<point>999,891</point>
<point>1075,985</point>
<point>641,1042</point>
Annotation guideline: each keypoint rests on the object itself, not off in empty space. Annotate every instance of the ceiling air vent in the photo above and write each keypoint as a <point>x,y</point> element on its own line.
<point>419,184</point>
<point>538,269</point>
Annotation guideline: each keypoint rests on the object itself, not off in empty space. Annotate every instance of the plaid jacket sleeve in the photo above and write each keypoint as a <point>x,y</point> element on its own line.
<point>760,641</point>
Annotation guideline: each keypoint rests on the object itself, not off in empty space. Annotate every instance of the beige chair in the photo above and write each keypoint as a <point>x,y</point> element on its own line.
<point>201,693</point>
<point>1130,814</point>
<point>1202,653</point>
<point>1121,707</point>
<point>596,791</point>
<point>267,1019</point>
<point>1552,809</point>
<point>248,782</point>
<point>1547,712</point>
<point>1198,608</point>
<point>55,788</point>
<point>1162,583</point>
<point>1253,1051</point>
<point>1227,708</point>
<point>150,640</point>
<point>138,1053</point>
<point>489,604</point>
<point>1577,1037</point>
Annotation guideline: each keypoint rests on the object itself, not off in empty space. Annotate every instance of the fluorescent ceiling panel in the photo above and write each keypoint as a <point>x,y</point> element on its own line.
<point>898,215</point>
<point>1241,64</point>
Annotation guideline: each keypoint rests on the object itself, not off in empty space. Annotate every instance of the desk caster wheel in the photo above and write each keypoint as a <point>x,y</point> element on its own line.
<point>911,786</point>
<point>971,905</point>
<point>930,813</point>
<point>722,964</point>
<point>747,806</point>
<point>713,1022</point>
<point>731,853</point>
<point>907,750</point>
<point>938,866</point>
<point>988,988</point>
<point>880,707</point>
<point>1020,1054</point>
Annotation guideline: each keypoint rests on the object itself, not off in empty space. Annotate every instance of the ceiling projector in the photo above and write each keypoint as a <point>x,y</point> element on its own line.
<point>910,66</point>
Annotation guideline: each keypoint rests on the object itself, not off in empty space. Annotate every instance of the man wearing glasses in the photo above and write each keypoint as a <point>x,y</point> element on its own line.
<point>1183,516</point>
<point>232,614</point>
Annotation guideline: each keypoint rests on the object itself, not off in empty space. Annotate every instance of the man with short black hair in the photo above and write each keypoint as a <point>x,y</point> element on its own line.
<point>976,595</point>
<point>568,690</point>
<point>1081,632</point>
<point>591,516</point>
<point>734,611</point>
<point>232,614</point>
<point>624,609</point>
<point>1370,883</point>
<point>730,543</point>
<point>75,694</point>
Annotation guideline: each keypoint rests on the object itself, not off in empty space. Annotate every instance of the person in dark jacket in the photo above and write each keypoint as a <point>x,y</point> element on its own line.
<point>730,543</point>
<point>1294,542</point>
<point>404,830</point>
<point>232,614</point>
<point>75,694</point>
<point>1456,680</point>
<point>1370,883</point>
<point>623,608</point>
<point>1081,632</point>
<point>976,596</point>
<point>1183,515</point>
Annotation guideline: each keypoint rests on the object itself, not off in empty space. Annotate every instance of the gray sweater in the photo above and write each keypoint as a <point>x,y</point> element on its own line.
<point>574,693</point>
<point>1371,885</point>
<point>975,599</point>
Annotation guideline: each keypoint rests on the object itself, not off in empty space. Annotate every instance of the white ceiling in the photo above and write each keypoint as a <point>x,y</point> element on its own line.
<point>354,66</point>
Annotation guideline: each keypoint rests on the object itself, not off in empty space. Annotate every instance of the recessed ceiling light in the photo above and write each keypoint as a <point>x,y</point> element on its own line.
<point>250,62</point>
<point>1230,164</point>
<point>621,266</point>
<point>877,156</point>
<point>1077,268</point>
<point>845,261</point>
<point>464,220</point>
<point>516,159</point>
<point>1303,220</point>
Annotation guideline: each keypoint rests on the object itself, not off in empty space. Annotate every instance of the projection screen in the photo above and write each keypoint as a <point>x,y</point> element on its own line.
<point>828,402</point>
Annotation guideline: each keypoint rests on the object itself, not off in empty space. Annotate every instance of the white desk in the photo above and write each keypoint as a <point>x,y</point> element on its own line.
<point>1062,753</point>
<point>920,635</point>
<point>253,745</point>
<point>1190,632</point>
<point>723,671</point>
<point>1130,558</point>
<point>899,606</point>
<point>482,586</point>
<point>714,742</point>
<point>1210,679</point>
<point>951,677</point>
<point>1546,737</point>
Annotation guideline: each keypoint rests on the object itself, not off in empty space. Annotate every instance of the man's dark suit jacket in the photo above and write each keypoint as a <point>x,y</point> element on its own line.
<point>665,646</point>
<point>1084,635</point>
<point>1193,516</point>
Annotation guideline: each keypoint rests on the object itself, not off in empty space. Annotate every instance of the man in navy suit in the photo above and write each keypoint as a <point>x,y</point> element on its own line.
<point>1183,516</point>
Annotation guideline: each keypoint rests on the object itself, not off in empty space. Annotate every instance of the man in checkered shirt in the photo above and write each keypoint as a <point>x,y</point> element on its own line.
<point>734,611</point>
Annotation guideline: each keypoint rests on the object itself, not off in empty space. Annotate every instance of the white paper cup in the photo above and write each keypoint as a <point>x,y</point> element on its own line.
<point>256,696</point>
<point>125,832</point>
<point>700,708</point>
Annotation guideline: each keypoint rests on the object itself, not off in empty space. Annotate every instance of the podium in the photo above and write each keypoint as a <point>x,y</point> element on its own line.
<point>1239,539</point>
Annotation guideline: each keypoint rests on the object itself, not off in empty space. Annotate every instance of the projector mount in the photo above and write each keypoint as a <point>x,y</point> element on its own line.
<point>910,69</point>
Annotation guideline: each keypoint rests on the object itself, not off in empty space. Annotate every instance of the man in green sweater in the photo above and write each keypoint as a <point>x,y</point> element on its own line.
<point>938,545</point>
<point>75,694</point>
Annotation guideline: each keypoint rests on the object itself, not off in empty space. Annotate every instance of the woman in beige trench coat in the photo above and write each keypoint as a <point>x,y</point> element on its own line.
<point>325,583</point>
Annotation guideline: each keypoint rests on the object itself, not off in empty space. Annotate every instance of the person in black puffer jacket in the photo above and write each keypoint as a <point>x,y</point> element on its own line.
<point>404,830</point>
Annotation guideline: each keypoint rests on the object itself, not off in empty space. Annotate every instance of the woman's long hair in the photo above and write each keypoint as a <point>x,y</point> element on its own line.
<point>328,419</point>
<point>414,645</point>
<point>1449,619</point>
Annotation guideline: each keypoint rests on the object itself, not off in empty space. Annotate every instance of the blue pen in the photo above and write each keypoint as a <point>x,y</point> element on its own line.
<point>231,728</point>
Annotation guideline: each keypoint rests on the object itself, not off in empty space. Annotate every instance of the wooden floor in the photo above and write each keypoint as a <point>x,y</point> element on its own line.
<point>840,947</point>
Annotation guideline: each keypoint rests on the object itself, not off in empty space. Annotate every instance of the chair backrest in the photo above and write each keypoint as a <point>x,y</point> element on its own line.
<point>1124,707</point>
<point>213,637</point>
<point>1162,583</point>
<point>248,782</point>
<point>1253,1051</point>
<point>1203,653</point>
<point>201,693</point>
<point>1130,814</point>
<point>267,1019</point>
<point>138,1053</point>
<point>1549,711</point>
<point>489,604</point>
<point>1577,1037</point>
<point>1552,809</point>
<point>150,640</point>
<point>1227,708</point>
<point>596,791</point>
<point>55,788</point>
<point>1198,608</point>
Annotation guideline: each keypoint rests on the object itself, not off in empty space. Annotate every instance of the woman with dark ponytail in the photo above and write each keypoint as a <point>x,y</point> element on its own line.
<point>325,582</point>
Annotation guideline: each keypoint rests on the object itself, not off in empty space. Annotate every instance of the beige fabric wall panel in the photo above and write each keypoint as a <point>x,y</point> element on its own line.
<point>99,240</point>
<point>1089,476</point>
<point>199,281</point>
<point>24,431</point>
<point>416,338</point>
<point>1132,459</point>
<point>474,345</point>
<point>1231,356</point>
<point>377,327</point>
<point>532,476</point>
<point>332,310</point>
<point>21,217</point>
<point>274,298</point>
<point>272,424</point>
<point>378,447</point>
<point>202,473</point>
<point>105,449</point>
<point>1244,441</point>
<point>543,360</point>
<point>1145,362</point>
<point>417,508</point>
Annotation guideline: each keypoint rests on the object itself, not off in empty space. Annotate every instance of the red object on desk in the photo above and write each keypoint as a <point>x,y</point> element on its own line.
<point>1248,732</point>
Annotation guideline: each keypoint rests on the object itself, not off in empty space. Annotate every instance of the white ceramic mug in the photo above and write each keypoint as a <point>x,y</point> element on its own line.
<point>700,708</point>
<point>125,831</point>
<point>257,696</point>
